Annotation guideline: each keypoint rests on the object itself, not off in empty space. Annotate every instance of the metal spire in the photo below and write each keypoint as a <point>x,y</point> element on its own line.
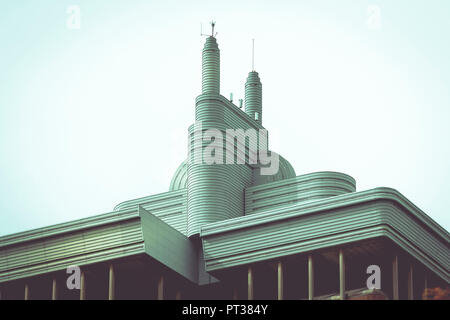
<point>213,23</point>
<point>253,54</point>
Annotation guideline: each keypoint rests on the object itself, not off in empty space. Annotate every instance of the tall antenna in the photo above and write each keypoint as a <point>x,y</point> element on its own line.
<point>213,23</point>
<point>253,54</point>
<point>201,31</point>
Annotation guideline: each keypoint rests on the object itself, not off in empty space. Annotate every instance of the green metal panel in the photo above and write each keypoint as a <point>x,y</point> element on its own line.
<point>211,67</point>
<point>209,199</point>
<point>102,238</point>
<point>81,242</point>
<point>85,241</point>
<point>253,96</point>
<point>234,117</point>
<point>170,207</point>
<point>308,187</point>
<point>214,192</point>
<point>324,223</point>
<point>179,179</point>
<point>169,246</point>
<point>67,227</point>
<point>285,171</point>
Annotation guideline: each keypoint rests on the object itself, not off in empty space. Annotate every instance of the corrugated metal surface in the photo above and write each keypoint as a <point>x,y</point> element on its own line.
<point>71,226</point>
<point>236,118</point>
<point>85,241</point>
<point>179,179</point>
<point>253,96</point>
<point>99,238</point>
<point>170,207</point>
<point>211,67</point>
<point>169,246</point>
<point>313,186</point>
<point>285,171</point>
<point>324,223</point>
<point>215,192</point>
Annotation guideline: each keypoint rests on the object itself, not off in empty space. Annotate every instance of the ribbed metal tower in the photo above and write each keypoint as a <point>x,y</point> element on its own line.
<point>211,67</point>
<point>215,192</point>
<point>253,96</point>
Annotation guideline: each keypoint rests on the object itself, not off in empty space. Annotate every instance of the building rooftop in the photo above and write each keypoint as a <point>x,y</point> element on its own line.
<point>219,217</point>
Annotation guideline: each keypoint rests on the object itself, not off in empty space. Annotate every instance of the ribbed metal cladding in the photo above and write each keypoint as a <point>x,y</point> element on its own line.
<point>215,192</point>
<point>347,218</point>
<point>253,96</point>
<point>75,243</point>
<point>170,207</point>
<point>307,187</point>
<point>285,171</point>
<point>179,179</point>
<point>211,67</point>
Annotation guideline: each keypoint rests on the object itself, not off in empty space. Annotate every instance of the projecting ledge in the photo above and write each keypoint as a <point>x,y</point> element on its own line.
<point>344,219</point>
<point>169,246</point>
<point>322,205</point>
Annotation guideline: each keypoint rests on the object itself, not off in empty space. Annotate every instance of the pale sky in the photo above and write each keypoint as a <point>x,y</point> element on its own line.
<point>94,116</point>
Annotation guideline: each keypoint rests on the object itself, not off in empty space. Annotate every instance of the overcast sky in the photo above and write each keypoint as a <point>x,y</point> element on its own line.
<point>94,116</point>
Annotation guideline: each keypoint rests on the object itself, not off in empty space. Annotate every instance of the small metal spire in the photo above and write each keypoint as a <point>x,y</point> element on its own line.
<point>253,54</point>
<point>213,23</point>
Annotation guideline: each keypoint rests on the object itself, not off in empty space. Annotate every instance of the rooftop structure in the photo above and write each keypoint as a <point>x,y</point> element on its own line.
<point>231,231</point>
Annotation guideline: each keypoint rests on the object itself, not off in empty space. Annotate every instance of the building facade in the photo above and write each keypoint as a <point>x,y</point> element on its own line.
<point>229,231</point>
